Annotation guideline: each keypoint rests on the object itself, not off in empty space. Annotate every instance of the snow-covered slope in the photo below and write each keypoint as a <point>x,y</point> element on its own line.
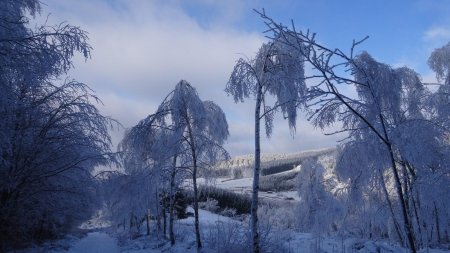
<point>272,158</point>
<point>326,157</point>
<point>242,166</point>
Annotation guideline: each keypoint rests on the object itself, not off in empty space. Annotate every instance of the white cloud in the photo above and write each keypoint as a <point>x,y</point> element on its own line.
<point>143,48</point>
<point>437,33</point>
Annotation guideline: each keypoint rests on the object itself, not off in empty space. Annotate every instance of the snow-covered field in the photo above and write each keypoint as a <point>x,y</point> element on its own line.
<point>244,186</point>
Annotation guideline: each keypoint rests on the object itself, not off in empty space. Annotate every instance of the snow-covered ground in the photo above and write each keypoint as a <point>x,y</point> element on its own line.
<point>218,232</point>
<point>207,218</point>
<point>244,186</point>
<point>97,221</point>
<point>96,242</point>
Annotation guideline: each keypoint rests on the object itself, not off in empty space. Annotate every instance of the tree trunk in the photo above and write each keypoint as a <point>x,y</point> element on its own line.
<point>410,203</point>
<point>131,222</point>
<point>416,206</point>
<point>137,223</point>
<point>164,215</point>
<point>447,237</point>
<point>148,224</point>
<point>158,216</point>
<point>256,171</point>
<point>194,182</point>
<point>398,186</point>
<point>196,223</point>
<point>438,232</point>
<point>391,209</point>
<point>172,201</point>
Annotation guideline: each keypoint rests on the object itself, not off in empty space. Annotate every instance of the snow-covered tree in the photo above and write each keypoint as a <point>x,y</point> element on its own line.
<point>52,134</point>
<point>439,62</point>
<point>184,136</point>
<point>390,114</point>
<point>276,70</point>
<point>317,206</point>
<point>202,129</point>
<point>151,147</point>
<point>435,172</point>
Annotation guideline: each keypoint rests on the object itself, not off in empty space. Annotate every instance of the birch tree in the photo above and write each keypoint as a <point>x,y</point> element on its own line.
<point>276,70</point>
<point>185,135</point>
<point>439,62</point>
<point>152,146</point>
<point>317,207</point>
<point>390,104</point>
<point>202,128</point>
<point>439,172</point>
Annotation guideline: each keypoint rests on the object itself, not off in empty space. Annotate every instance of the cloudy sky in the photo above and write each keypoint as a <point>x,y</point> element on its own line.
<point>142,48</point>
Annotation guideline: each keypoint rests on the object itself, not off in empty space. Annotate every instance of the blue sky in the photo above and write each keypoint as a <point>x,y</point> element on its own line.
<point>401,31</point>
<point>143,48</point>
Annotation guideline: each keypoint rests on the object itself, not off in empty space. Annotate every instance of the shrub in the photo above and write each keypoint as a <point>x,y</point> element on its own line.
<point>210,204</point>
<point>228,237</point>
<point>237,173</point>
<point>273,169</point>
<point>283,182</point>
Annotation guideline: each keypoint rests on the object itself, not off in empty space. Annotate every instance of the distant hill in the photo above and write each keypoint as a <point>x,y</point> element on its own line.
<point>242,166</point>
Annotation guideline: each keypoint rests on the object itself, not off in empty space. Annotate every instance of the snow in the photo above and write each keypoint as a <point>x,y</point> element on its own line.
<point>233,184</point>
<point>206,218</point>
<point>96,242</point>
<point>267,158</point>
<point>244,186</point>
<point>293,241</point>
<point>97,221</point>
<point>184,235</point>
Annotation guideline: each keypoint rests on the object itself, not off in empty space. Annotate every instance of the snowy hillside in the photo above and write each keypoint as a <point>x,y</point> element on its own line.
<point>246,160</point>
<point>274,185</point>
<point>242,166</point>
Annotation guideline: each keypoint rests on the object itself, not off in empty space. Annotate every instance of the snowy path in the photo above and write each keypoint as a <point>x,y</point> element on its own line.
<point>96,242</point>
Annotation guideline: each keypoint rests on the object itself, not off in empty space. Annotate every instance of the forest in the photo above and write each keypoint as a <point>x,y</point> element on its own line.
<point>171,185</point>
